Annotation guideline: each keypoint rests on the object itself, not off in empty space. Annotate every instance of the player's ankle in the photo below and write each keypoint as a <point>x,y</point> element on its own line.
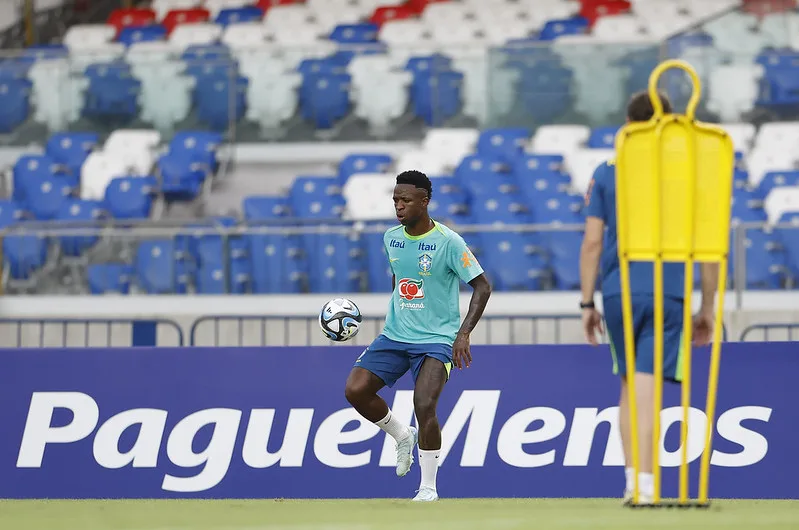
<point>393,427</point>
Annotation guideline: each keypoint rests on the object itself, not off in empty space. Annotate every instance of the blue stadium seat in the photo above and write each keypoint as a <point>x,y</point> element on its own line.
<point>503,144</point>
<point>740,178</point>
<point>211,280</point>
<point>14,69</point>
<point>766,260</point>
<point>534,164</point>
<point>24,255</point>
<point>180,178</point>
<point>259,208</point>
<point>564,248</point>
<point>241,275</point>
<point>214,95</point>
<point>10,213</point>
<point>341,58</point>
<point>277,264</point>
<point>132,34</point>
<point>71,149</point>
<point>14,103</point>
<point>544,91</point>
<point>603,137</point>
<point>430,64</point>
<point>29,170</point>
<point>198,146</point>
<point>511,262</point>
<point>448,208</point>
<point>775,179</point>
<point>130,197</point>
<point>104,278</point>
<point>362,163</point>
<point>779,86</point>
<point>477,173</point>
<point>77,211</point>
<point>44,51</point>
<point>325,98</point>
<point>789,238</point>
<point>112,94</point>
<point>364,32</point>
<point>157,269</point>
<point>45,196</point>
<point>238,14</point>
<point>316,197</point>
<point>436,96</point>
<point>507,208</point>
<point>335,262</point>
<point>197,56</point>
<point>378,270</point>
<point>557,28</point>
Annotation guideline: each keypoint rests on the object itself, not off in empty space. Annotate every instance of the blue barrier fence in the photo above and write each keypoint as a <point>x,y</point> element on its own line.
<point>523,421</point>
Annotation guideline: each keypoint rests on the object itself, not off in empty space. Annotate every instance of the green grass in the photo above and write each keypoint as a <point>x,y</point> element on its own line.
<point>461,514</point>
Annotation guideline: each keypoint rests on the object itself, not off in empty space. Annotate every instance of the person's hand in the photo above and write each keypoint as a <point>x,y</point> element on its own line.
<point>592,325</point>
<point>703,328</point>
<point>461,354</point>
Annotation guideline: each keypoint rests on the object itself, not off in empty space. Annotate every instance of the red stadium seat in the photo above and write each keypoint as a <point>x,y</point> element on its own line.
<point>593,9</point>
<point>417,6</point>
<point>184,16</point>
<point>123,18</point>
<point>386,13</point>
<point>765,7</point>
<point>264,5</point>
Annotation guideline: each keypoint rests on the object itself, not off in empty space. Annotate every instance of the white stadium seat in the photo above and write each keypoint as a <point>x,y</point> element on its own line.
<point>244,35</point>
<point>778,136</point>
<point>273,99</point>
<point>399,32</point>
<point>764,159</point>
<point>369,197</point>
<point>733,89</point>
<point>451,145</point>
<point>102,53</point>
<point>582,163</point>
<point>88,36</point>
<point>286,17</point>
<point>98,171</point>
<point>429,163</point>
<point>215,6</point>
<point>381,99</point>
<point>564,139</point>
<point>618,26</point>
<point>781,200</point>
<point>186,35</point>
<point>136,147</point>
<point>57,96</point>
<point>742,134</point>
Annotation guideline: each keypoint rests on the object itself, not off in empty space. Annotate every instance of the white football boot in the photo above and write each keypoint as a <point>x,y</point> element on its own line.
<point>405,452</point>
<point>426,495</point>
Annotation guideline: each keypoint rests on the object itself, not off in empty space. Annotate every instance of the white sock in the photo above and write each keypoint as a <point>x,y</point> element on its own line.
<point>395,428</point>
<point>428,461</point>
<point>646,484</point>
<point>629,473</point>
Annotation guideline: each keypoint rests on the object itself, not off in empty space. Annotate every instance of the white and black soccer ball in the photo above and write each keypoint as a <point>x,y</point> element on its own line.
<point>340,319</point>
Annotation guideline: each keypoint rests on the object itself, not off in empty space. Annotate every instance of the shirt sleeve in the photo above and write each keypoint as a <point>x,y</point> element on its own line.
<point>462,261</point>
<point>595,196</point>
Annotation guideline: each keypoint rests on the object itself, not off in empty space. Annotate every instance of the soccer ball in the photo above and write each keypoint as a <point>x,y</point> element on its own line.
<point>340,319</point>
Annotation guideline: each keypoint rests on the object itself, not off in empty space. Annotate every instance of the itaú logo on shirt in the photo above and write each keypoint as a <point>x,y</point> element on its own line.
<point>411,289</point>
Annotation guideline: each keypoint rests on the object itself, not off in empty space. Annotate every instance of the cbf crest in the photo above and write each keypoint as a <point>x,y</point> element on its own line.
<point>425,264</point>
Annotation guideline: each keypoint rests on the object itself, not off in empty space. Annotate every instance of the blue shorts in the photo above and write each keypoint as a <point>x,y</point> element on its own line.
<point>644,332</point>
<point>389,359</point>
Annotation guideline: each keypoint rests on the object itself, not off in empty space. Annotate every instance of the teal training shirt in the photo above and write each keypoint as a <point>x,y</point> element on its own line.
<point>424,306</point>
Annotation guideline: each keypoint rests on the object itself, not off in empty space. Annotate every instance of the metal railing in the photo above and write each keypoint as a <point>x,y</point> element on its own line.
<point>83,332</point>
<point>250,330</point>
<point>784,329</point>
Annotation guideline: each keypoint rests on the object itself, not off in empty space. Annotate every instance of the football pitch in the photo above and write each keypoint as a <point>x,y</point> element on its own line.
<point>460,514</point>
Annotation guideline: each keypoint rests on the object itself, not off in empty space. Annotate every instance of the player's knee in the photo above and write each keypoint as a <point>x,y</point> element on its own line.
<point>425,407</point>
<point>355,391</point>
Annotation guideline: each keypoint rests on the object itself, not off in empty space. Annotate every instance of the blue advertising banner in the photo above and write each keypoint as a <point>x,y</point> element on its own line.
<point>523,421</point>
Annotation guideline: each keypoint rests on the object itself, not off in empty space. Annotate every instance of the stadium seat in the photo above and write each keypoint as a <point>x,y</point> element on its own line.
<point>511,263</point>
<point>265,208</point>
<point>181,179</point>
<point>781,201</point>
<point>603,137</point>
<point>362,163</point>
<point>44,197</point>
<point>132,34</point>
<point>583,163</point>
<point>14,103</point>
<point>158,271</point>
<point>503,144</point>
<point>29,170</point>
<point>327,100</point>
<point>131,17</point>
<point>214,96</point>
<point>277,264</point>
<point>24,255</point>
<point>130,197</point>
<point>316,198</point>
<point>184,16</point>
<point>334,262</point>
<point>135,147</point>
<point>236,15</point>
<point>97,172</point>
<point>88,36</point>
<point>427,162</point>
<point>369,197</point>
<point>10,213</point>
<point>112,95</point>
<point>77,211</point>
<point>109,278</point>
<point>559,138</point>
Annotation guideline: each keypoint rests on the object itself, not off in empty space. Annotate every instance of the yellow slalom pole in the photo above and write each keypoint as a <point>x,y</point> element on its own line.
<point>629,359</point>
<point>713,384</point>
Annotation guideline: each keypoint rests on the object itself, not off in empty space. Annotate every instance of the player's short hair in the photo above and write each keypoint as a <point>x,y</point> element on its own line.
<point>416,179</point>
<point>640,106</point>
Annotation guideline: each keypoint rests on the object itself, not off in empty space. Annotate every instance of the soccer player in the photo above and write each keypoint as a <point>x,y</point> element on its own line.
<point>422,332</point>
<point>600,214</point>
